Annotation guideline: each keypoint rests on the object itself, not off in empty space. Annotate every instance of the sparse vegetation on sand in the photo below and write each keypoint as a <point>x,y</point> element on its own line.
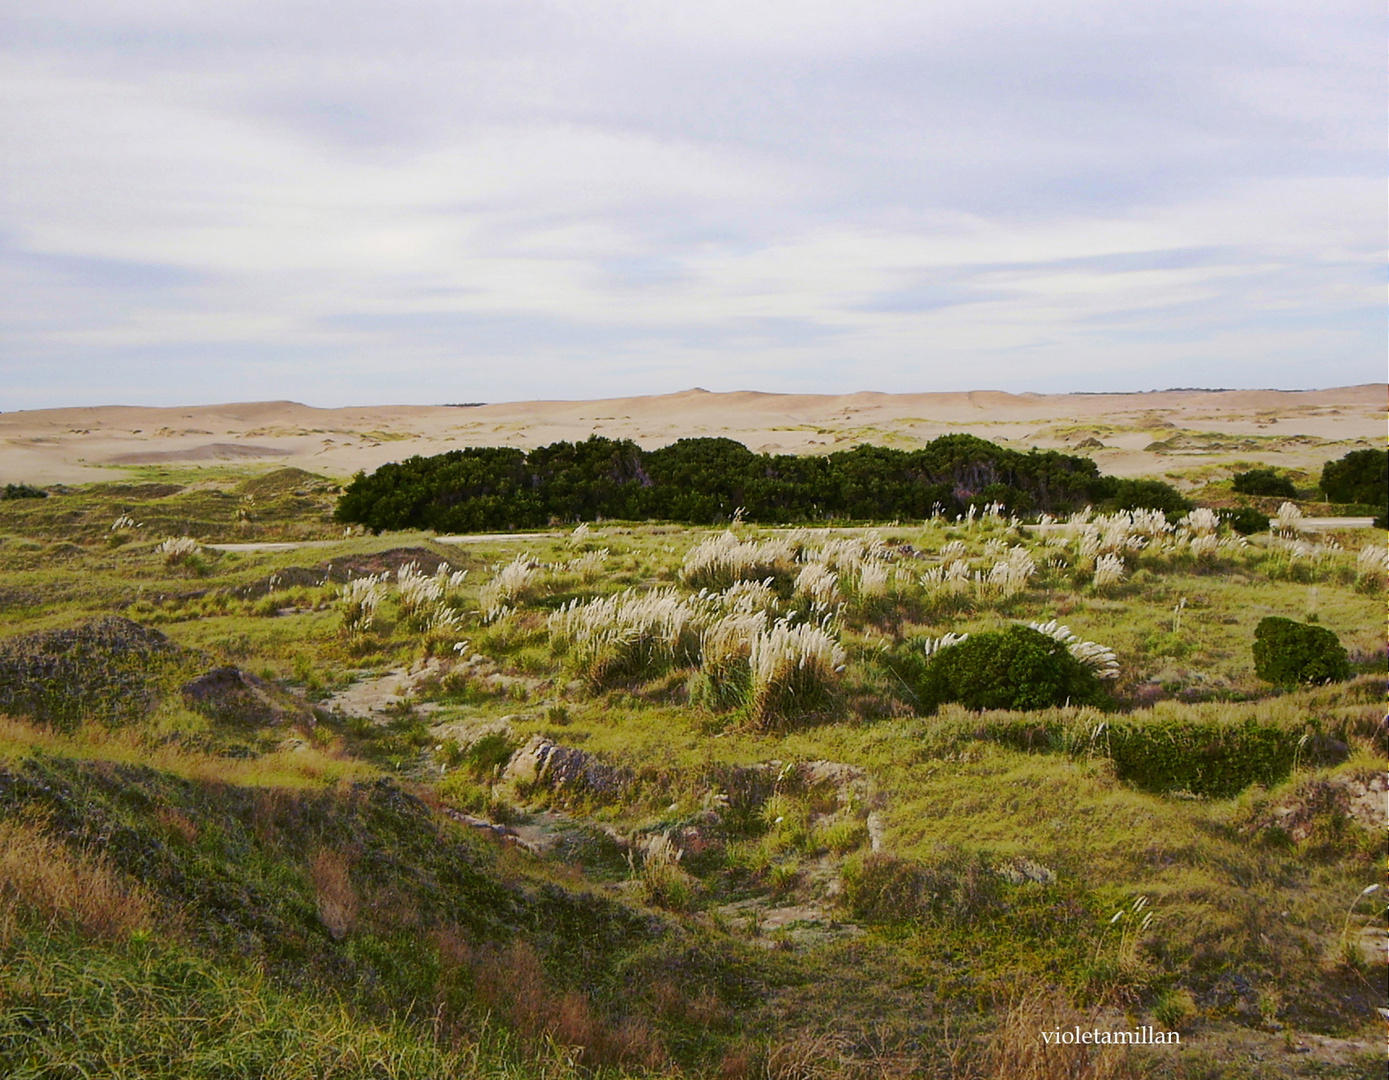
<point>653,800</point>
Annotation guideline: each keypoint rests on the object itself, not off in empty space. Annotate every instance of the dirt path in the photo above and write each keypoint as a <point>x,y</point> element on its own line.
<point>377,697</point>
<point>474,538</point>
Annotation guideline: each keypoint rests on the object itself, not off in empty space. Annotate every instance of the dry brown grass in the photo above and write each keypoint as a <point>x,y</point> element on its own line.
<point>806,1057</point>
<point>44,878</point>
<point>338,902</point>
<point>1017,1051</point>
<point>511,984</point>
<point>303,766</point>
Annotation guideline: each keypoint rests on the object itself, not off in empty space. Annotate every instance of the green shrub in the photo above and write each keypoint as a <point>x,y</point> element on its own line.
<point>1288,652</point>
<point>1264,482</point>
<point>1130,494</point>
<point>1017,668</point>
<point>1245,520</point>
<point>23,491</point>
<point>1204,758</point>
<point>1362,476</point>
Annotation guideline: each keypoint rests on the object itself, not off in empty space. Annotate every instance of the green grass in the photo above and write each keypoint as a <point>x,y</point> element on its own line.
<point>310,870</point>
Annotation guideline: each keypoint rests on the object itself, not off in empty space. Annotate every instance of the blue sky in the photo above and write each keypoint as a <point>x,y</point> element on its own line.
<point>348,203</point>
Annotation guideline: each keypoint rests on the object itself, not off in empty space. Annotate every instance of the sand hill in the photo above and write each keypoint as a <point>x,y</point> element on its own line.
<point>1160,433</point>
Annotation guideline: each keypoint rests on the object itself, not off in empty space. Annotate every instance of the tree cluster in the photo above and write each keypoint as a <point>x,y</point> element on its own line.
<point>705,481</point>
<point>1362,477</point>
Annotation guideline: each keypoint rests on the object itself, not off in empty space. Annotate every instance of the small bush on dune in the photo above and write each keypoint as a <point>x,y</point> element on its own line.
<point>1288,652</point>
<point>1017,668</point>
<point>1264,482</point>
<point>22,491</point>
<point>956,886</point>
<point>1245,520</point>
<point>1201,757</point>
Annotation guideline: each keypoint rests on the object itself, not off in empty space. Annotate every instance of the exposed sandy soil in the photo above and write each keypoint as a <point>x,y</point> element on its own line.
<point>1127,434</point>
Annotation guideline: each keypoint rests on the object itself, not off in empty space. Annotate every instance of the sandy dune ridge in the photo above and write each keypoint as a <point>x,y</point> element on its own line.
<point>1158,433</point>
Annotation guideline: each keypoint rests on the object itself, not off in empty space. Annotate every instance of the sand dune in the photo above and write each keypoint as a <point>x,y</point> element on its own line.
<point>1157,433</point>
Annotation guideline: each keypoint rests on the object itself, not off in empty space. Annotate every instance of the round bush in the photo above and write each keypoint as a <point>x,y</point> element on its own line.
<point>1288,652</point>
<point>1016,668</point>
<point>1245,520</point>
<point>1264,482</point>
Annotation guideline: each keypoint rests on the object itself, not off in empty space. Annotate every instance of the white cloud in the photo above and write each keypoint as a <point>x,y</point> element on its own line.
<point>584,196</point>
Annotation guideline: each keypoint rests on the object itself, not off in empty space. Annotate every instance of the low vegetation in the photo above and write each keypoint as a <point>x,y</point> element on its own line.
<point>647,799</point>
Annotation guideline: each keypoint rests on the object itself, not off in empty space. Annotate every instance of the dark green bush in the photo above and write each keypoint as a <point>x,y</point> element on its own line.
<point>23,491</point>
<point>1207,758</point>
<point>1017,668</point>
<point>1362,476</point>
<point>1288,652</point>
<point>1245,520</point>
<point>1143,495</point>
<point>1264,482</point>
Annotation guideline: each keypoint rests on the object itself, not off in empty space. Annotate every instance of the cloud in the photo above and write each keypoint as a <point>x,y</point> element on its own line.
<point>339,202</point>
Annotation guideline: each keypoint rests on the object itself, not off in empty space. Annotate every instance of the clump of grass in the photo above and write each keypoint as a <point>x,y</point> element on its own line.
<point>479,797</point>
<point>358,601</point>
<point>842,837</point>
<point>178,550</point>
<point>511,584</point>
<point>718,561</point>
<point>588,567</point>
<point>725,647</point>
<point>1016,1049</point>
<point>1010,575</point>
<point>628,635</point>
<point>160,1010</point>
<point>796,673</point>
<point>662,880</point>
<point>748,597</point>
<point>1110,570</point>
<point>1288,522</point>
<point>419,594</point>
<point>330,871</point>
<point>817,584</point>
<point>1098,658</point>
<point>1174,1009</point>
<point>1371,567</point>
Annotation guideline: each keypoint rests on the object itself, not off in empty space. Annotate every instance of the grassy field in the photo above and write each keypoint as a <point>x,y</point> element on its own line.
<point>657,800</point>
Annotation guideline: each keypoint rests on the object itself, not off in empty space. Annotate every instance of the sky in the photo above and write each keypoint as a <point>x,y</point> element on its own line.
<point>433,201</point>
